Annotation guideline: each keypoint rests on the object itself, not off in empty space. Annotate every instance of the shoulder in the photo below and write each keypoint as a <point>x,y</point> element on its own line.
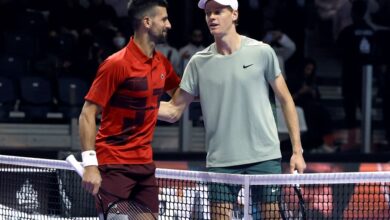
<point>254,47</point>
<point>252,43</point>
<point>117,58</point>
<point>206,52</point>
<point>115,63</point>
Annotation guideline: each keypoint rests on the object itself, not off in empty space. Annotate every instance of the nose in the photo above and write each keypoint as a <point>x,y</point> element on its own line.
<point>168,25</point>
<point>210,17</point>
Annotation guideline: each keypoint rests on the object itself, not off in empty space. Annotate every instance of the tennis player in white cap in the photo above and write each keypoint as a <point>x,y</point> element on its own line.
<point>237,79</point>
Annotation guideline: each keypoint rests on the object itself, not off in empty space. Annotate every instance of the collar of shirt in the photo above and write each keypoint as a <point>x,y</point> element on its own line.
<point>138,54</point>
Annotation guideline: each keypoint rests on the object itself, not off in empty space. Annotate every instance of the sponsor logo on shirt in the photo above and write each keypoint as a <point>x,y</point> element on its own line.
<point>246,66</point>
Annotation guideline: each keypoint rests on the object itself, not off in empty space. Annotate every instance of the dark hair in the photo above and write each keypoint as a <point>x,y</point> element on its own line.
<point>309,60</point>
<point>139,8</point>
<point>358,10</point>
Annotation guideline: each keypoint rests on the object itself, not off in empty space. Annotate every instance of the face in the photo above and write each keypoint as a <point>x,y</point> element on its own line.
<point>309,69</point>
<point>158,25</point>
<point>197,37</point>
<point>219,18</point>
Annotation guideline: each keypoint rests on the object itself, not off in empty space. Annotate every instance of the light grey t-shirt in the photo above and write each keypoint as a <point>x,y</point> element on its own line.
<point>234,92</point>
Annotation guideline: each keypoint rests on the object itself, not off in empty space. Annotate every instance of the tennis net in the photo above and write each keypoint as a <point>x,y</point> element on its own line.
<point>32,188</point>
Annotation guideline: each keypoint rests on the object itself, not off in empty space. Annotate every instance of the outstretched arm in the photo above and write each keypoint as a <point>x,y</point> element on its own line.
<point>279,86</point>
<point>171,111</point>
<point>87,128</point>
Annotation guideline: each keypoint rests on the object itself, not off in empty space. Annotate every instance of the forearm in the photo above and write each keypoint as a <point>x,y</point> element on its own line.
<point>171,111</point>
<point>292,122</point>
<point>87,131</point>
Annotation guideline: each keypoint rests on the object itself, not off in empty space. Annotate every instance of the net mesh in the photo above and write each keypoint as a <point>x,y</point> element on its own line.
<point>32,188</point>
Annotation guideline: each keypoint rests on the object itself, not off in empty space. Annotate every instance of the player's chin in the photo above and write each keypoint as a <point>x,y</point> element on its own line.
<point>162,39</point>
<point>215,33</point>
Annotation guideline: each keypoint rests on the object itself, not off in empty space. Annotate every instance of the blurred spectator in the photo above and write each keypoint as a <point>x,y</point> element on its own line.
<point>172,54</point>
<point>186,52</point>
<point>356,42</point>
<point>339,11</point>
<point>284,47</point>
<point>289,16</point>
<point>319,136</point>
<point>119,41</point>
<point>373,7</point>
<point>195,45</point>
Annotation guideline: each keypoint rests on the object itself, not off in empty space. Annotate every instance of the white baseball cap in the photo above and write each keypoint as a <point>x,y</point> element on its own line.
<point>231,3</point>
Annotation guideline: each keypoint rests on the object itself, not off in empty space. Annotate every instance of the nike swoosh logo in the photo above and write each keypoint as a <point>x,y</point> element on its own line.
<point>246,66</point>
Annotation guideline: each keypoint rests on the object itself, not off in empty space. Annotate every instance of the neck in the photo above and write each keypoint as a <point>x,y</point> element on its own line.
<point>228,43</point>
<point>144,43</point>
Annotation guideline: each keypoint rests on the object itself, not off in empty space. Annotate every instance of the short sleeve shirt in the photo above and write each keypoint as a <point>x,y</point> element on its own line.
<point>234,92</point>
<point>127,87</point>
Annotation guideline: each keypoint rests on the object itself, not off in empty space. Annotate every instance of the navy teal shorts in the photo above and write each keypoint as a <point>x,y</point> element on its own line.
<point>223,192</point>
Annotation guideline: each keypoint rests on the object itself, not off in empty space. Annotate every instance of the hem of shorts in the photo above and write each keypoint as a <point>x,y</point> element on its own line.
<point>126,163</point>
<point>243,162</point>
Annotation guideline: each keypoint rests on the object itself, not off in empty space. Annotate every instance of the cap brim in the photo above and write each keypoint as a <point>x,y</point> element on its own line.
<point>202,4</point>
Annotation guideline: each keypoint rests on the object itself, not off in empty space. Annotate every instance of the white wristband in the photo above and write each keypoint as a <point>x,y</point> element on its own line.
<point>89,158</point>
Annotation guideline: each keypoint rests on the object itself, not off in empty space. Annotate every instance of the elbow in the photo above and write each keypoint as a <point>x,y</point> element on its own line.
<point>85,118</point>
<point>285,101</point>
<point>81,117</point>
<point>293,47</point>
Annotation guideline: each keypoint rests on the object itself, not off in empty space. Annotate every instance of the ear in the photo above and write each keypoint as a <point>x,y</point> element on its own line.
<point>235,15</point>
<point>147,21</point>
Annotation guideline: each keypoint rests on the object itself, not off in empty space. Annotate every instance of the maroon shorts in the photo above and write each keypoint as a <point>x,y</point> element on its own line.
<point>134,182</point>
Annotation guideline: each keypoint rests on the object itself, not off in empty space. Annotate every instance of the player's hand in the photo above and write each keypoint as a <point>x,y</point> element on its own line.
<point>91,179</point>
<point>297,162</point>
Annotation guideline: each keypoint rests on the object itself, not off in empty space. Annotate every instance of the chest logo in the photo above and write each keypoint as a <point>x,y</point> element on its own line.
<point>246,66</point>
<point>162,76</point>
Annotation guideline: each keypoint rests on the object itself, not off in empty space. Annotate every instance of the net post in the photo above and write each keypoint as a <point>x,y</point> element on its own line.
<point>366,109</point>
<point>246,197</point>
